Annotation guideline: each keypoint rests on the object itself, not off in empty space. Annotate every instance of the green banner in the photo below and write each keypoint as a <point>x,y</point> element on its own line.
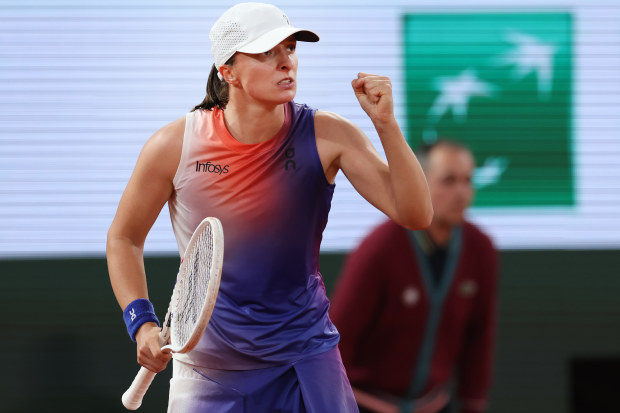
<point>502,84</point>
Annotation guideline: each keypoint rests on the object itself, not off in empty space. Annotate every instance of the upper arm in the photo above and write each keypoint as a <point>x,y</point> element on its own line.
<point>484,316</point>
<point>344,146</point>
<point>490,271</point>
<point>355,302</point>
<point>150,185</point>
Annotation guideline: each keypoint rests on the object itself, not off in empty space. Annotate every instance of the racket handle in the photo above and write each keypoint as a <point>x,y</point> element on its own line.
<point>132,398</point>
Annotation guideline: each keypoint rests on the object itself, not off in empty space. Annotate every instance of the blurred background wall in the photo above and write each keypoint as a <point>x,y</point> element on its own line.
<point>531,86</point>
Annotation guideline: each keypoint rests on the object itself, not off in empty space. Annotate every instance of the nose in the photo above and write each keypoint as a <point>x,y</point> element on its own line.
<point>285,58</point>
<point>285,62</point>
<point>465,190</point>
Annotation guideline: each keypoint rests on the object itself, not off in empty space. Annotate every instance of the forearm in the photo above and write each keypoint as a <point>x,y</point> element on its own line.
<point>476,365</point>
<point>126,269</point>
<point>411,196</point>
<point>356,297</point>
<point>474,406</point>
<point>410,199</point>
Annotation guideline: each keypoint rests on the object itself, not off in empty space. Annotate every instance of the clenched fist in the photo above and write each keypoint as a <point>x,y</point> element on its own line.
<point>375,96</point>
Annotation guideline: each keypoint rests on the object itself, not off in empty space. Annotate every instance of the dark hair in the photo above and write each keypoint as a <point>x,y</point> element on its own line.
<point>217,90</point>
<point>424,151</point>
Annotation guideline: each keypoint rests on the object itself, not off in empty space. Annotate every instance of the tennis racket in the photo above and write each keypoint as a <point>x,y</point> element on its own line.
<point>192,301</point>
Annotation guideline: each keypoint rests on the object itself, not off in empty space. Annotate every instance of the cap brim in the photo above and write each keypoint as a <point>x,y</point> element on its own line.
<point>272,38</point>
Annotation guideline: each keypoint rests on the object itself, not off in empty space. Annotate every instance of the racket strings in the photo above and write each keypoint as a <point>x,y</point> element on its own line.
<point>192,289</point>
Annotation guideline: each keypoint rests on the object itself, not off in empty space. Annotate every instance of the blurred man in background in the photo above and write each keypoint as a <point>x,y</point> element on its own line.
<point>416,310</point>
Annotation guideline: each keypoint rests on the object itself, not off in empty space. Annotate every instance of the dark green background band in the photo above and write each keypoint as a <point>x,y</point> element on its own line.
<point>65,348</point>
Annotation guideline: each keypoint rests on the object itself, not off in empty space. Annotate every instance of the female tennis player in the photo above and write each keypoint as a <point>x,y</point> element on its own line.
<point>266,167</point>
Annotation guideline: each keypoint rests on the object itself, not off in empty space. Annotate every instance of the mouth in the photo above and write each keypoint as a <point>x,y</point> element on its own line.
<point>287,82</point>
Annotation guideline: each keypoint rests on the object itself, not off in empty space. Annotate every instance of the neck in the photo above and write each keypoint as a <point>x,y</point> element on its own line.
<point>440,232</point>
<point>253,123</point>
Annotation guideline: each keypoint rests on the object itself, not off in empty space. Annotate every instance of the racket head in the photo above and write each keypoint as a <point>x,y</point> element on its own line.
<point>197,285</point>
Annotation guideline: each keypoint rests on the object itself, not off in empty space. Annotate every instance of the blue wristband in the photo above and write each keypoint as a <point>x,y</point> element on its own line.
<point>138,312</point>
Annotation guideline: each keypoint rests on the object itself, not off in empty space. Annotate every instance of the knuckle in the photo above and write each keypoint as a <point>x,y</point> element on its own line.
<point>162,358</point>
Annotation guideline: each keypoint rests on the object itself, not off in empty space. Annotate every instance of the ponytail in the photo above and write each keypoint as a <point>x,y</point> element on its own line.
<point>217,91</point>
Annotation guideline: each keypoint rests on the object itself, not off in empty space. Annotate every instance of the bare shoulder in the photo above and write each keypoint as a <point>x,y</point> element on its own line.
<point>330,126</point>
<point>339,139</point>
<point>336,130</point>
<point>169,137</point>
<point>165,146</point>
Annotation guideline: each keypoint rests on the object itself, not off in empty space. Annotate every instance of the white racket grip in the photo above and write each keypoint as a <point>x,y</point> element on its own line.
<point>132,398</point>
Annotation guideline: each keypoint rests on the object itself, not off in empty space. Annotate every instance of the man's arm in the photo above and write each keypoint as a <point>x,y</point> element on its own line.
<point>357,297</point>
<point>476,364</point>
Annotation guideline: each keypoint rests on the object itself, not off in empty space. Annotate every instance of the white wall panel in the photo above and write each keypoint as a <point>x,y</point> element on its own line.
<point>83,84</point>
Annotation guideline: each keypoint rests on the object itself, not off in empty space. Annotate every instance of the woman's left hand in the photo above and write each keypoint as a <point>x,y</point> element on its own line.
<point>375,96</point>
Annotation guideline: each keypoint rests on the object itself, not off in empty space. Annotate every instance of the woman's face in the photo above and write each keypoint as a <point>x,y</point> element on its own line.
<point>269,77</point>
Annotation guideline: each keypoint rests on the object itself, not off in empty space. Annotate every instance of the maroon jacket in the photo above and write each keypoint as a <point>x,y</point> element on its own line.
<point>392,325</point>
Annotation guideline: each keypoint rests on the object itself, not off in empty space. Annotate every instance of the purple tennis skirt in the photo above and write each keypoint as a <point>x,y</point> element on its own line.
<point>316,384</point>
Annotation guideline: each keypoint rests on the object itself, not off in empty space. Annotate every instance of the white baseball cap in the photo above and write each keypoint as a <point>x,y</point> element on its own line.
<point>252,28</point>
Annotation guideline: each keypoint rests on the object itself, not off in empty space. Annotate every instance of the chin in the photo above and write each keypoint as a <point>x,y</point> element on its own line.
<point>288,97</point>
<point>459,220</point>
<point>283,98</point>
<point>456,219</point>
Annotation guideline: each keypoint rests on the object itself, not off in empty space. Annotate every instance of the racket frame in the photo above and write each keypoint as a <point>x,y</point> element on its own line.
<point>132,398</point>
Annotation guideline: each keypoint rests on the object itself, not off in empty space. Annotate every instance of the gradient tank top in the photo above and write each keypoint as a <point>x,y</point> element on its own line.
<point>273,200</point>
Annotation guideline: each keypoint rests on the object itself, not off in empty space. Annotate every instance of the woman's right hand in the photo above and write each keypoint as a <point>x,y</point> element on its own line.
<point>149,350</point>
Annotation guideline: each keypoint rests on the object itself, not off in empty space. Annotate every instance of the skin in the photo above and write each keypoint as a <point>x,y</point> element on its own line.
<point>449,176</point>
<point>259,85</point>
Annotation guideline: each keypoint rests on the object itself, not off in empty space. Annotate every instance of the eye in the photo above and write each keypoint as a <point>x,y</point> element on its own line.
<point>292,47</point>
<point>449,180</point>
<point>267,53</point>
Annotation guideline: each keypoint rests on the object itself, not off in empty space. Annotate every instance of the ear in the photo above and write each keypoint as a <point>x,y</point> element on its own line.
<point>228,75</point>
